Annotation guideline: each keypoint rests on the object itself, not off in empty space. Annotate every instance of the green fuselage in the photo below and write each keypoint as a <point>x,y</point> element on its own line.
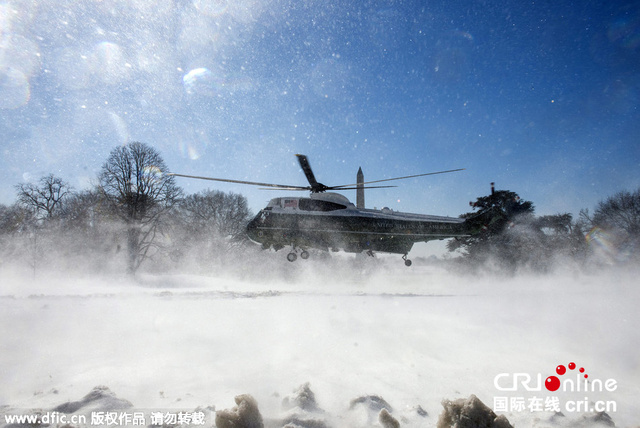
<point>332,223</point>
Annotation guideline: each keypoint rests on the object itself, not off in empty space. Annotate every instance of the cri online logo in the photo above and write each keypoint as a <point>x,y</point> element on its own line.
<point>552,383</point>
<point>581,381</point>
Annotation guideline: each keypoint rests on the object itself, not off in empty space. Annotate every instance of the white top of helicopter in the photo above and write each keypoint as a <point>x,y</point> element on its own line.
<point>337,203</point>
<point>336,198</point>
<point>293,201</point>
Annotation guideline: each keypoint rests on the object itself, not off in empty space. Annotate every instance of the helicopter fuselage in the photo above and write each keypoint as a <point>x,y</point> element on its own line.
<point>329,221</point>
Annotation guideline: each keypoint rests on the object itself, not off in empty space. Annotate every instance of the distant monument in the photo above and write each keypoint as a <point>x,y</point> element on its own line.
<point>360,189</point>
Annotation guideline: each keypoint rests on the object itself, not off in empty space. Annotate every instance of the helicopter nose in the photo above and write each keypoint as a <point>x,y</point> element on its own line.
<point>252,230</point>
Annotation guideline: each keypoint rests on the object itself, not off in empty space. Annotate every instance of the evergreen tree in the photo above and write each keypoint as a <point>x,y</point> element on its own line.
<point>506,210</point>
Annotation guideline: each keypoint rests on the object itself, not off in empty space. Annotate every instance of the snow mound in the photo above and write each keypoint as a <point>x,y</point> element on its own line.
<point>303,423</point>
<point>302,411</point>
<point>371,402</point>
<point>420,411</point>
<point>244,415</point>
<point>100,399</point>
<point>460,413</point>
<point>470,413</point>
<point>303,398</point>
<point>386,420</point>
<point>599,419</point>
<point>593,420</point>
<point>367,410</point>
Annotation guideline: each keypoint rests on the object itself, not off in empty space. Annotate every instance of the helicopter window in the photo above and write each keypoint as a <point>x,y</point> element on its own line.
<point>290,203</point>
<point>317,205</point>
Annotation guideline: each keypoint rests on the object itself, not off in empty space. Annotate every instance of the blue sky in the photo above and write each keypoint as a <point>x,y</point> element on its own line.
<point>540,97</point>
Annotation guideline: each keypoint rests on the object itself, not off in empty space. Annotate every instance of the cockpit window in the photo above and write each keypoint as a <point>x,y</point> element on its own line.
<point>318,205</point>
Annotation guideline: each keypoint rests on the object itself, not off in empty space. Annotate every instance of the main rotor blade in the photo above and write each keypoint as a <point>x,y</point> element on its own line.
<point>397,178</point>
<point>331,188</point>
<point>306,168</point>
<point>252,183</point>
<point>288,188</point>
<point>356,188</point>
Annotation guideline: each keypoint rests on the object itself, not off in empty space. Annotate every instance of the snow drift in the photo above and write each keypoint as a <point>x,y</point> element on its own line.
<point>318,348</point>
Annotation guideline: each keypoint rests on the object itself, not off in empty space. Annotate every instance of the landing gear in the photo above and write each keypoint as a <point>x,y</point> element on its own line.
<point>293,256</point>
<point>407,262</point>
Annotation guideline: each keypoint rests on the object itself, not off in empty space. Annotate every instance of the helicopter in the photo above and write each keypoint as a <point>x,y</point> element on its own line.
<point>326,220</point>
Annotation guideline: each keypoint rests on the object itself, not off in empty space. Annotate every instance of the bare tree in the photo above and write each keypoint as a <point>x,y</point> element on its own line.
<point>224,215</point>
<point>134,180</point>
<point>82,208</point>
<point>89,223</point>
<point>619,216</point>
<point>46,197</point>
<point>620,212</point>
<point>212,225</point>
<point>17,233</point>
<point>13,218</point>
<point>43,202</point>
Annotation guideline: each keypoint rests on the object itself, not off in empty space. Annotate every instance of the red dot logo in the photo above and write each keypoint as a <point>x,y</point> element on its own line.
<point>552,383</point>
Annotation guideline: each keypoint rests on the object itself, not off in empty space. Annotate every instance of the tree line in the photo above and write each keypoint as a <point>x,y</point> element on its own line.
<point>136,214</point>
<point>517,239</point>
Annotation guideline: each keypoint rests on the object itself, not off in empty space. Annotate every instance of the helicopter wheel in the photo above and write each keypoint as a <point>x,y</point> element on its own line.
<point>292,257</point>
<point>407,262</point>
<point>304,255</point>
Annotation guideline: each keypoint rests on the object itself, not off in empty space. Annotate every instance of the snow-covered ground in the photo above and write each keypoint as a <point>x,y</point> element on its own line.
<point>414,337</point>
